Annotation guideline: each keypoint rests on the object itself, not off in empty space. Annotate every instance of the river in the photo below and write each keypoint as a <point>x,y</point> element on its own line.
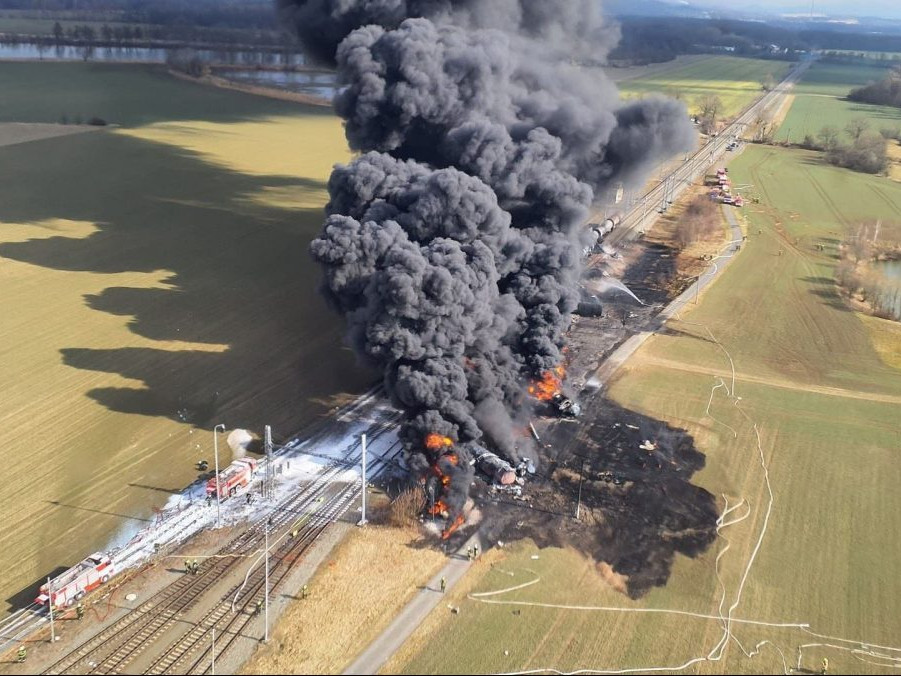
<point>891,270</point>
<point>317,83</point>
<point>33,51</point>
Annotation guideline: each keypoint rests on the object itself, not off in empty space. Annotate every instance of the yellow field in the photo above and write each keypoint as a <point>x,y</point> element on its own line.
<point>351,600</point>
<point>155,282</point>
<point>736,81</point>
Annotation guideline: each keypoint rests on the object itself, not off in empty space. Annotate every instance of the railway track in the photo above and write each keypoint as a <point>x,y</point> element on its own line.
<point>636,218</point>
<point>26,621</point>
<point>20,625</point>
<point>228,617</point>
<point>114,648</point>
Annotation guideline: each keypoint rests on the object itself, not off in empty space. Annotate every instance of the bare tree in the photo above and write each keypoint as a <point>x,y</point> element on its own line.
<point>857,127</point>
<point>828,136</point>
<point>764,129</point>
<point>709,107</point>
<point>700,220</point>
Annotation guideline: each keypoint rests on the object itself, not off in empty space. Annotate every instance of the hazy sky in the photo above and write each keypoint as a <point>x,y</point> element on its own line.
<point>882,8</point>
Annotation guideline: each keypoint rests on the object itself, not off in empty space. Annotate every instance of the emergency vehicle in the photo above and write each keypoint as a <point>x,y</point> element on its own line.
<point>236,476</point>
<point>69,587</point>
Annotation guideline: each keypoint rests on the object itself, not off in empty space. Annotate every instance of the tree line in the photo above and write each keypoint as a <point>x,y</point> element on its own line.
<point>886,92</point>
<point>211,21</point>
<point>656,39</point>
<point>860,148</point>
<point>859,278</point>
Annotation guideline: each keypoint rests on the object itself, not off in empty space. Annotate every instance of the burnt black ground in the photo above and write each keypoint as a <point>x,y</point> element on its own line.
<point>639,508</point>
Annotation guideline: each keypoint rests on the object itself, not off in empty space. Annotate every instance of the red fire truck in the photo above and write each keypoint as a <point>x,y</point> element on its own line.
<point>69,587</point>
<point>237,475</point>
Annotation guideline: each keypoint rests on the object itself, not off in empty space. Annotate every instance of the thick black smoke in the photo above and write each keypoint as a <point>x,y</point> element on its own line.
<point>452,242</point>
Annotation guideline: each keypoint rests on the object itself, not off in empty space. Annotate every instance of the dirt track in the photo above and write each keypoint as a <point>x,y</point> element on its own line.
<point>785,384</point>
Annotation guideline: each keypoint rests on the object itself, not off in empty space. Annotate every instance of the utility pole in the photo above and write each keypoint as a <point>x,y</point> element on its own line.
<point>213,653</point>
<point>267,441</point>
<point>363,519</point>
<point>432,498</point>
<point>50,604</point>
<point>579,502</point>
<point>266,590</point>
<point>218,492</point>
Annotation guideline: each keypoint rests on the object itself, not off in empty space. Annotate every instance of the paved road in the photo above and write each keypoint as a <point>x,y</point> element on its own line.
<point>619,356</point>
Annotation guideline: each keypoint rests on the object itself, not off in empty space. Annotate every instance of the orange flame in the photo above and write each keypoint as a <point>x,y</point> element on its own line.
<point>434,442</point>
<point>439,508</point>
<point>448,531</point>
<point>550,384</point>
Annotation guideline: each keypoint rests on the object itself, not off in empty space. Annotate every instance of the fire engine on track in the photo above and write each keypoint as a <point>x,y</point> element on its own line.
<point>71,586</point>
<point>236,476</point>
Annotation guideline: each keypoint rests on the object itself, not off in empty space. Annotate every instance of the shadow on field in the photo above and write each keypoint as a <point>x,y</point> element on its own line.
<point>126,517</point>
<point>29,593</point>
<point>667,329</point>
<point>234,329</point>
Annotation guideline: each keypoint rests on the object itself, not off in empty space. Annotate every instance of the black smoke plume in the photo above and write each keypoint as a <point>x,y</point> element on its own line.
<point>452,242</point>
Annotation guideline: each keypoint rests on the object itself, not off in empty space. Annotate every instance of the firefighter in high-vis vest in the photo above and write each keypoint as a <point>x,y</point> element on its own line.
<point>825,664</point>
<point>79,610</point>
<point>21,654</point>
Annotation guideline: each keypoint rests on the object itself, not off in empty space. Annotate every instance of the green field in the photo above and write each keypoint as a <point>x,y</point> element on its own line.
<point>736,81</point>
<point>826,406</point>
<point>155,282</point>
<point>820,101</point>
<point>125,95</point>
<point>35,26</point>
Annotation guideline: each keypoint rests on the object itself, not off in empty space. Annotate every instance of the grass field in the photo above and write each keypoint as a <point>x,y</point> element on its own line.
<point>126,95</point>
<point>824,389</point>
<point>820,101</point>
<point>736,81</point>
<point>18,23</point>
<point>312,638</point>
<point>155,283</point>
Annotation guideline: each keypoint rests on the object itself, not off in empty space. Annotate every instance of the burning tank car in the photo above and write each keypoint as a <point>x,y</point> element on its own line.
<point>565,407</point>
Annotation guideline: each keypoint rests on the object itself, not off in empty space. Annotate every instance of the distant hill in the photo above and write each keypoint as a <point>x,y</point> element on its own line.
<point>824,10</point>
<point>679,8</point>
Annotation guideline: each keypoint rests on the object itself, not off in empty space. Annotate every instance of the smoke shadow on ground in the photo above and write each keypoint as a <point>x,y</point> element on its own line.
<point>240,333</point>
<point>638,509</point>
<point>29,593</point>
